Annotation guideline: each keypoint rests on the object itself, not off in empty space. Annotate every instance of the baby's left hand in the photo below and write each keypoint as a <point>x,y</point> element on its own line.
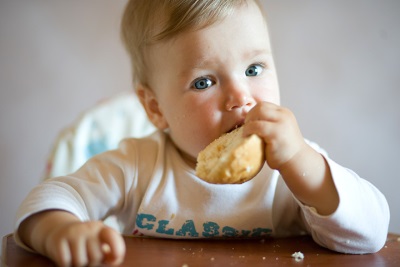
<point>279,129</point>
<point>305,171</point>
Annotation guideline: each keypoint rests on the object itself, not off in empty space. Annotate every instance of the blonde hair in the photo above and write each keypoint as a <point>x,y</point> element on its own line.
<point>147,22</point>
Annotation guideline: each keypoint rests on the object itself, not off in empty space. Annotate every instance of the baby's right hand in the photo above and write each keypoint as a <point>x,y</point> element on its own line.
<point>68,241</point>
<point>84,243</point>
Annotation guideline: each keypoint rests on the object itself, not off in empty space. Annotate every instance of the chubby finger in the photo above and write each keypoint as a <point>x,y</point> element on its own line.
<point>61,253</point>
<point>262,128</point>
<point>78,252</point>
<point>264,111</point>
<point>94,251</point>
<point>113,246</point>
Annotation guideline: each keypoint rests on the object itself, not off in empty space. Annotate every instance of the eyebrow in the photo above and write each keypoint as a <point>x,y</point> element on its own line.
<point>199,64</point>
<point>250,54</point>
<point>257,52</point>
<point>205,61</point>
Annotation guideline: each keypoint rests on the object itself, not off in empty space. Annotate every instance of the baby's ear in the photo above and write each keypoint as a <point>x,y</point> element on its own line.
<point>150,103</point>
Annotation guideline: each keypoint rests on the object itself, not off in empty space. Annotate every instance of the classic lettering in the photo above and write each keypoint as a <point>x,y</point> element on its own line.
<point>210,229</point>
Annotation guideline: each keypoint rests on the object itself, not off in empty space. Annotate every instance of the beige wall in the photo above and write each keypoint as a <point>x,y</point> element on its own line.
<point>338,64</point>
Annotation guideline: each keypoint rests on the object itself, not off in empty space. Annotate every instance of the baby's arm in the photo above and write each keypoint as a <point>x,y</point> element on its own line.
<point>304,170</point>
<point>66,240</point>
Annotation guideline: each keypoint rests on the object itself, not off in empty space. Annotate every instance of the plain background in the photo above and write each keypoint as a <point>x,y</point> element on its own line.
<point>338,65</point>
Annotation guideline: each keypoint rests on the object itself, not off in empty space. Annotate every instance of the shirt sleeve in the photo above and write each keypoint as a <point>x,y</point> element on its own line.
<point>95,191</point>
<point>360,223</point>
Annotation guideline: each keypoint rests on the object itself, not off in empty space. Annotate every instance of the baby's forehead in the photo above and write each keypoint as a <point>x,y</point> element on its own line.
<point>177,17</point>
<point>244,34</point>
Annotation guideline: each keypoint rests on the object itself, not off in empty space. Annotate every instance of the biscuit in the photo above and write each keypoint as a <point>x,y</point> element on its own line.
<point>231,159</point>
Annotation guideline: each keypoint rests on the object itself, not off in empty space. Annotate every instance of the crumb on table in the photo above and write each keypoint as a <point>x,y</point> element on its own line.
<point>298,256</point>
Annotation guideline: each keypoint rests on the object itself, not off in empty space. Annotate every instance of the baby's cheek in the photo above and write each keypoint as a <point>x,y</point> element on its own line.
<point>268,92</point>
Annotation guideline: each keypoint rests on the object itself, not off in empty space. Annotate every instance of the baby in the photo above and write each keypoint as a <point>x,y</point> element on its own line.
<point>201,69</point>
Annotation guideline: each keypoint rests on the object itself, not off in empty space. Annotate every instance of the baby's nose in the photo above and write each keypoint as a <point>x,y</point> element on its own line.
<point>239,98</point>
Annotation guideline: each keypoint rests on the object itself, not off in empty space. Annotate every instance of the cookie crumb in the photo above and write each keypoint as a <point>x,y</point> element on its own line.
<point>298,256</point>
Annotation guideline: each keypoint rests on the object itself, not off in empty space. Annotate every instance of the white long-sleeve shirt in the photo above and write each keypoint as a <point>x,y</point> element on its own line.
<point>151,191</point>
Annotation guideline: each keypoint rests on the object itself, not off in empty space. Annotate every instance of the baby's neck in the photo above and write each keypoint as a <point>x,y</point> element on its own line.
<point>189,160</point>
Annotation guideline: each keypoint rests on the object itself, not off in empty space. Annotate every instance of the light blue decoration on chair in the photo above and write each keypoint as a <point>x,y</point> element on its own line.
<point>98,129</point>
<point>97,146</point>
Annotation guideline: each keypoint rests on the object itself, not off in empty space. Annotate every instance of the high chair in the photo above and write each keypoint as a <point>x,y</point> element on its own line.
<point>98,129</point>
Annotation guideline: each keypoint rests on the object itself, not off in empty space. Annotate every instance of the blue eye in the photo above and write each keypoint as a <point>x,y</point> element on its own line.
<point>202,83</point>
<point>254,70</point>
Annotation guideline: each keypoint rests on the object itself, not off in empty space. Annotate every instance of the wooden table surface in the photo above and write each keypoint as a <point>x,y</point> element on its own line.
<point>190,253</point>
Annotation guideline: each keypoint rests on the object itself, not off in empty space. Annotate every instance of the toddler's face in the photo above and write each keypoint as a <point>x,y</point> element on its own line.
<point>206,81</point>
